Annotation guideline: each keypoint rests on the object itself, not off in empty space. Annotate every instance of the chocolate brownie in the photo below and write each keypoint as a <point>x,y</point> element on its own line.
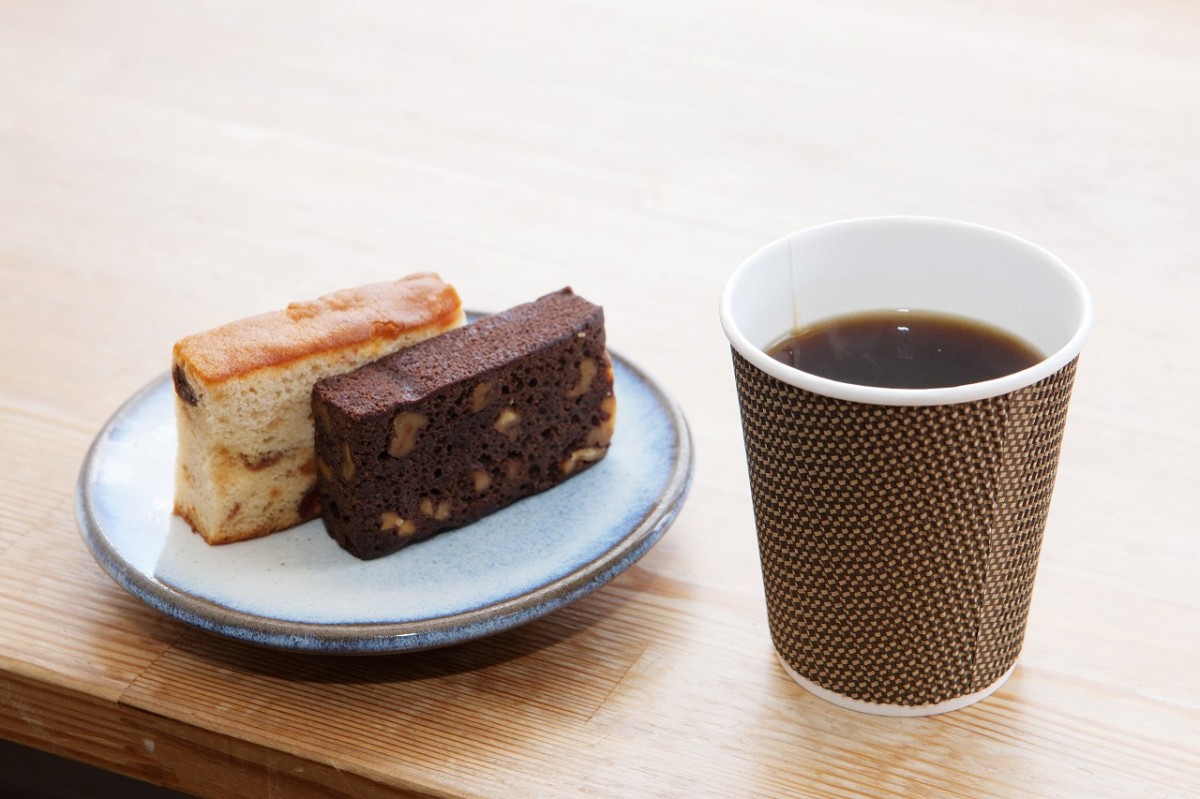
<point>445,432</point>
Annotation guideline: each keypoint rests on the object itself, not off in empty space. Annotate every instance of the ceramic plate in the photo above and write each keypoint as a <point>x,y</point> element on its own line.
<point>298,590</point>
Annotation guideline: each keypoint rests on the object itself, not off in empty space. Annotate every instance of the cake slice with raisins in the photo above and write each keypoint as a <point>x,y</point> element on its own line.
<point>443,433</point>
<point>245,465</point>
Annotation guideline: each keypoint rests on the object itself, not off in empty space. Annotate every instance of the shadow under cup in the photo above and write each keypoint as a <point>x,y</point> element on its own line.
<point>899,529</point>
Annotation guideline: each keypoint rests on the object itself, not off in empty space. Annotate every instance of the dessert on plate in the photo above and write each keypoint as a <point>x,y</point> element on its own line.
<point>439,434</point>
<point>245,464</point>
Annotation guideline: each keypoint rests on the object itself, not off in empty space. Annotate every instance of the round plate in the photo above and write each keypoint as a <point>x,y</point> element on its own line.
<point>298,590</point>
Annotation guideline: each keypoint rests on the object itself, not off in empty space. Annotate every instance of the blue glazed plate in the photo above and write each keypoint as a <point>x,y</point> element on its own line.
<point>297,590</point>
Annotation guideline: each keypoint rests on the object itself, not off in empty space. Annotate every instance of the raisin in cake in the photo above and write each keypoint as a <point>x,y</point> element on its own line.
<point>445,432</point>
<point>243,391</point>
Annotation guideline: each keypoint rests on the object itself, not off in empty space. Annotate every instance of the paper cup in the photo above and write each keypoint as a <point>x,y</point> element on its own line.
<point>899,529</point>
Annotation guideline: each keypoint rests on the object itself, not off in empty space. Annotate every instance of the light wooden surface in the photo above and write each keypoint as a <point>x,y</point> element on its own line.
<point>167,166</point>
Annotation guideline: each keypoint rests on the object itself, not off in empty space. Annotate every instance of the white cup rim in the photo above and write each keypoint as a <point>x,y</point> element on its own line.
<point>874,395</point>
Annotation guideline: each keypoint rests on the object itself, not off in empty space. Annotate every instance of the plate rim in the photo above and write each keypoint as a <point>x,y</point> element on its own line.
<point>390,637</point>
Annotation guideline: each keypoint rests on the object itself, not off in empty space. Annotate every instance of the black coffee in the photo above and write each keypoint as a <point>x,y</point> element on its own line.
<point>905,349</point>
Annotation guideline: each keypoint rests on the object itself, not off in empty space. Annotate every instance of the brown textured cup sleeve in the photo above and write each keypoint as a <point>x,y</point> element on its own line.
<point>899,544</point>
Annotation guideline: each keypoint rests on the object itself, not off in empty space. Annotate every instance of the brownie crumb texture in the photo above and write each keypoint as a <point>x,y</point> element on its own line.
<point>469,422</point>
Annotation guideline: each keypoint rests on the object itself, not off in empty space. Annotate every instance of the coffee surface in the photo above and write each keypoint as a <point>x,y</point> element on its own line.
<point>905,349</point>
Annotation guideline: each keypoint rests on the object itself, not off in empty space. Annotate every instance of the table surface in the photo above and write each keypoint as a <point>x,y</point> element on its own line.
<point>167,167</point>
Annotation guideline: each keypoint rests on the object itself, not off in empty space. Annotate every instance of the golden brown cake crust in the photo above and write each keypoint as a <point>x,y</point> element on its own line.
<point>341,319</point>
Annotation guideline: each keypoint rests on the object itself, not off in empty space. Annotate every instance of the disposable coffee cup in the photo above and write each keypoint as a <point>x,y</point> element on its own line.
<point>900,528</point>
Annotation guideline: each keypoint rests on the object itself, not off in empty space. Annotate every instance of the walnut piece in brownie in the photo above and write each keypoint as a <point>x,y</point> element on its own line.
<point>445,432</point>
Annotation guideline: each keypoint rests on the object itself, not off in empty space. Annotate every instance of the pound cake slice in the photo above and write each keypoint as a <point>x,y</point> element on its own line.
<point>243,403</point>
<point>445,432</point>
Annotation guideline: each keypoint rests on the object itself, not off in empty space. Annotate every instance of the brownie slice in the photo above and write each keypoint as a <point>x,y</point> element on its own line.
<point>459,426</point>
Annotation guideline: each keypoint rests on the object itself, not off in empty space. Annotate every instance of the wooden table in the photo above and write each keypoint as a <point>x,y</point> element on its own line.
<point>168,166</point>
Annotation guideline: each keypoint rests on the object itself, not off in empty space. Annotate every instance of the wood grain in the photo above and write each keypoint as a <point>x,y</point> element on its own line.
<point>167,167</point>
